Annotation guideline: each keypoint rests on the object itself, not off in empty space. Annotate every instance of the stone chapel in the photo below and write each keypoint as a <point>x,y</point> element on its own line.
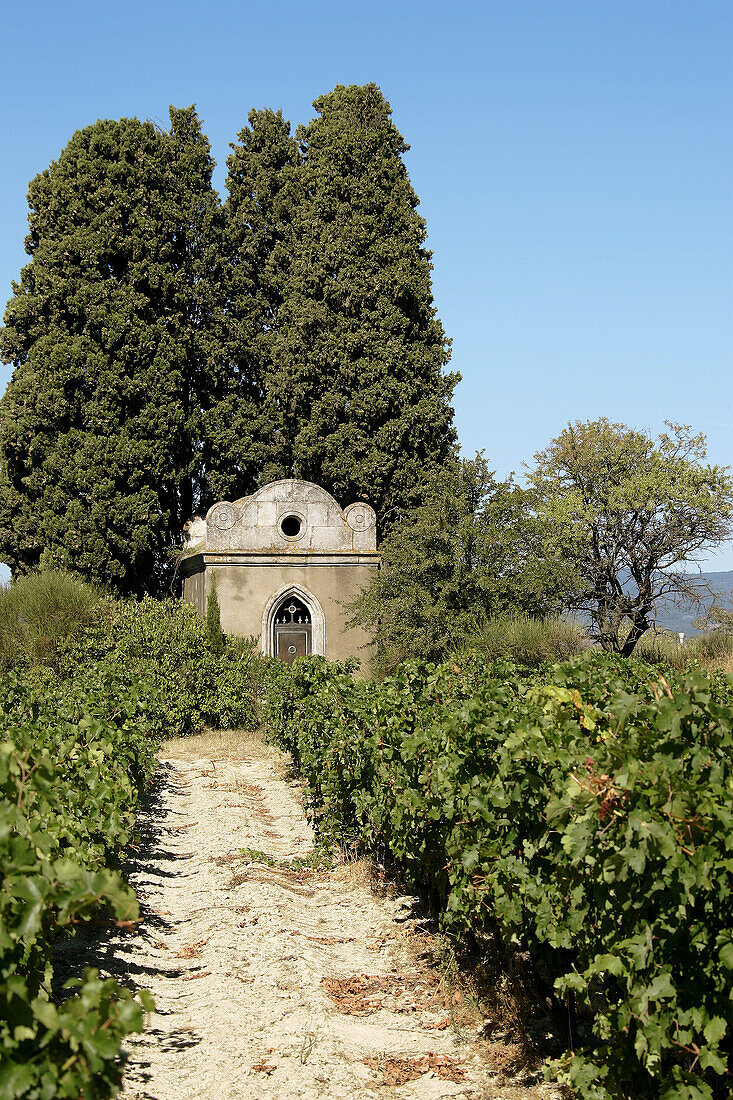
<point>285,559</point>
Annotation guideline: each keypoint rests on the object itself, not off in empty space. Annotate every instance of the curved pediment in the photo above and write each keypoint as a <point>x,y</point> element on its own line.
<point>291,516</point>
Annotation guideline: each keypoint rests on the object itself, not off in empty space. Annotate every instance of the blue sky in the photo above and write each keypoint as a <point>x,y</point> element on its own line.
<point>574,163</point>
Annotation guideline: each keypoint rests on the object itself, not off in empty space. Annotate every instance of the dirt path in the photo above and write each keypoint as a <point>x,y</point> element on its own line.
<point>273,980</point>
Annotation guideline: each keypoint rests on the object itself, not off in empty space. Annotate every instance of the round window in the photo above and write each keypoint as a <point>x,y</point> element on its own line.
<point>290,526</point>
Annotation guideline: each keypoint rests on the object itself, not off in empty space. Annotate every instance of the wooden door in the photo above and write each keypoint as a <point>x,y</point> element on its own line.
<point>291,629</point>
<point>291,644</point>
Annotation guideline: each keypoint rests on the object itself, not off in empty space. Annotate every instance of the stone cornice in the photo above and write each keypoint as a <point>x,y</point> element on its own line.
<point>192,562</point>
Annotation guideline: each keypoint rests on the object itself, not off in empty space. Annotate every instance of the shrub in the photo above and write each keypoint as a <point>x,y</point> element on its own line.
<point>169,642</point>
<point>713,649</point>
<point>661,647</point>
<point>39,612</point>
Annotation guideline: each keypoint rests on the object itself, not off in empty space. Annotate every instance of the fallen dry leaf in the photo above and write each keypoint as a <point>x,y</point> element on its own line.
<point>263,1067</point>
<point>355,995</point>
<point>362,994</point>
<point>323,939</point>
<point>437,1025</point>
<point>192,950</point>
<point>396,1070</point>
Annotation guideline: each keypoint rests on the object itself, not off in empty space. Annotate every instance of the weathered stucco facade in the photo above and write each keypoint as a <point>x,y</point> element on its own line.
<point>285,560</point>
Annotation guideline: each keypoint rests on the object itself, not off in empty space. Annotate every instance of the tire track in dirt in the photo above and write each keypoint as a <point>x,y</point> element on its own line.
<point>274,981</point>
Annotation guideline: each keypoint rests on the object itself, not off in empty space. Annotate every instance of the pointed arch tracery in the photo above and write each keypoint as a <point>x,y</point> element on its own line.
<point>276,608</point>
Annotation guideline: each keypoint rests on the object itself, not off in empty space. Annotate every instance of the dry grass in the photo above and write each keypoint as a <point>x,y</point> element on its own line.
<point>357,873</point>
<point>722,664</point>
<point>227,746</point>
<point>503,1009</point>
<point>456,990</point>
<point>712,651</point>
<point>192,950</point>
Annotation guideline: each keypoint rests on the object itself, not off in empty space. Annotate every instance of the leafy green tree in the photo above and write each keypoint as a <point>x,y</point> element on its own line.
<point>628,516</point>
<point>469,552</point>
<point>716,617</point>
<point>112,331</point>
<point>356,392</point>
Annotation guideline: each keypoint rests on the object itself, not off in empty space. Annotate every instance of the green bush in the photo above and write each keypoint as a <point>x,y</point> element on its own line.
<point>205,678</point>
<point>582,812</point>
<point>39,612</point>
<point>167,641</point>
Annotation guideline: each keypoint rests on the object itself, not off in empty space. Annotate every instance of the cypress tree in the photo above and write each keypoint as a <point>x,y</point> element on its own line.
<point>198,302</point>
<point>112,332</point>
<point>356,395</point>
<point>214,633</point>
<point>167,353</point>
<point>264,185</point>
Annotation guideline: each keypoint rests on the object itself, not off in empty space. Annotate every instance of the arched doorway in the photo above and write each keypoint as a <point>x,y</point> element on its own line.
<point>303,600</point>
<point>291,627</point>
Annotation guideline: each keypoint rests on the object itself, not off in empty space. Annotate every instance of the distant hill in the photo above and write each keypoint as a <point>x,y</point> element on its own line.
<point>680,619</point>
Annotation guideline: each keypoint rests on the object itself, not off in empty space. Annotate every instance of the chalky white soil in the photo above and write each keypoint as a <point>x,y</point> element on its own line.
<point>243,958</point>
